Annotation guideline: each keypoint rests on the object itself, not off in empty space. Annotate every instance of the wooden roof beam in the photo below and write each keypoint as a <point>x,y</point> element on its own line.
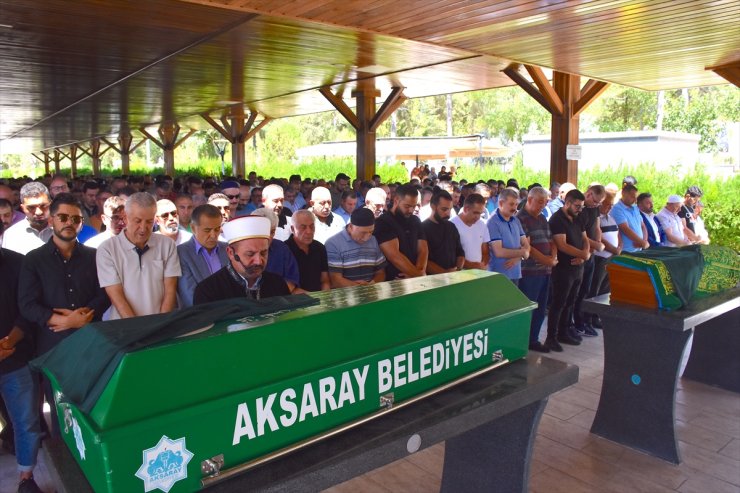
<point>590,91</point>
<point>340,106</point>
<point>391,104</point>
<point>256,129</point>
<point>512,71</point>
<point>546,89</point>
<point>730,72</point>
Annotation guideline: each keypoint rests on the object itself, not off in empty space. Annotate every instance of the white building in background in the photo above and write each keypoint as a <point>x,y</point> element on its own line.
<point>665,149</point>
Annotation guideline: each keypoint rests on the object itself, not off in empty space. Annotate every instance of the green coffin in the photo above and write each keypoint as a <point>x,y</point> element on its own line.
<point>247,389</point>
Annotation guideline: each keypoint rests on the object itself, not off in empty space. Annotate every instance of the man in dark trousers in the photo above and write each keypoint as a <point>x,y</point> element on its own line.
<point>573,250</point>
<point>244,275</point>
<point>18,386</point>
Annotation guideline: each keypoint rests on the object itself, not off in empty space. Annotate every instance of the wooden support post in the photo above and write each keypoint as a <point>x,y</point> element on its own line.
<point>73,150</point>
<point>238,130</point>
<point>365,134</point>
<point>45,159</point>
<point>57,157</point>
<point>95,153</point>
<point>565,127</point>
<point>366,120</point>
<point>565,100</point>
<point>124,148</point>
<point>168,142</point>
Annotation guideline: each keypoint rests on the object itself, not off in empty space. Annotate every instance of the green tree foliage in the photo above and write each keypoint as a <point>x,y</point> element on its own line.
<point>625,108</point>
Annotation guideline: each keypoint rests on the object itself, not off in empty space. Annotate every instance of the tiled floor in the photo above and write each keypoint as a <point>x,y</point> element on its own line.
<point>569,459</point>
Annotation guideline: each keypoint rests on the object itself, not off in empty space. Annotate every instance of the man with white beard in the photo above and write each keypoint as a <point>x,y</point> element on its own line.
<point>168,223</point>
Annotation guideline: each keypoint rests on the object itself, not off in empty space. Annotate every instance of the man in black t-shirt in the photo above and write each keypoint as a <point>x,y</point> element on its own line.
<point>443,240</point>
<point>589,219</point>
<point>573,251</point>
<point>401,237</point>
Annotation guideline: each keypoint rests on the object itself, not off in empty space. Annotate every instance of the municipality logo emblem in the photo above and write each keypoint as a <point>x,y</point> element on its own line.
<point>164,464</point>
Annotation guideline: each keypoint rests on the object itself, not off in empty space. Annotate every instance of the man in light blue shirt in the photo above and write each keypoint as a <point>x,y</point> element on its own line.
<point>509,244</point>
<point>627,216</point>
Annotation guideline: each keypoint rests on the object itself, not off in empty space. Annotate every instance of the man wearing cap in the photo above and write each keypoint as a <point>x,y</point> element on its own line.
<point>138,269</point>
<point>327,223</point>
<point>647,211</point>
<point>692,196</point>
<point>244,275</point>
<point>113,218</point>
<point>674,226</point>
<point>168,224</point>
<point>230,188</point>
<point>310,254</point>
<point>354,255</point>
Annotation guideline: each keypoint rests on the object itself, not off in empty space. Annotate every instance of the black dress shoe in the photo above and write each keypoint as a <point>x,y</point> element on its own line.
<point>539,347</point>
<point>553,345</point>
<point>572,332</point>
<point>29,486</point>
<point>567,339</point>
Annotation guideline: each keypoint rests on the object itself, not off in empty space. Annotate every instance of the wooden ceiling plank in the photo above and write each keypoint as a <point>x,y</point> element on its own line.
<point>673,27</point>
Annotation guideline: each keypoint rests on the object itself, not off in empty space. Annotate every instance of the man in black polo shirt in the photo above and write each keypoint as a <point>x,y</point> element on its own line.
<point>401,237</point>
<point>589,219</point>
<point>573,250</point>
<point>445,250</point>
<point>59,290</point>
<point>313,263</point>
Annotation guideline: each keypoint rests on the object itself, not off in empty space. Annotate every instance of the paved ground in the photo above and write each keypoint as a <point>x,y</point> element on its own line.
<point>567,458</point>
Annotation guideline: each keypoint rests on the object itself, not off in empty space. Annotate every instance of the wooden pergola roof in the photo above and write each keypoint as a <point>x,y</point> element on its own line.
<point>74,70</point>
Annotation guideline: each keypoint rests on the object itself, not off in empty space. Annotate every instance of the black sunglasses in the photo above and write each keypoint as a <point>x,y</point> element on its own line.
<point>66,217</point>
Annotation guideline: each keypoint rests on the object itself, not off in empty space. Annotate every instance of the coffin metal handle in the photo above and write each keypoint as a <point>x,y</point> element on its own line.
<point>212,467</point>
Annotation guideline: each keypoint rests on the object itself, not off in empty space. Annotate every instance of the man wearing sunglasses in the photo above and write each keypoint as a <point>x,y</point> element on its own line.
<point>113,218</point>
<point>230,188</point>
<point>33,231</point>
<point>58,289</point>
<point>168,223</point>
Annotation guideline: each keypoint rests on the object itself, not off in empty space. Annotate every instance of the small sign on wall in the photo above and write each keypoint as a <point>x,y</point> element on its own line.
<point>573,152</point>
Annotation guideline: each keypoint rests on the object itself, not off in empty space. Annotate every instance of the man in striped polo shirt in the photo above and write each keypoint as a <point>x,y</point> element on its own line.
<point>354,255</point>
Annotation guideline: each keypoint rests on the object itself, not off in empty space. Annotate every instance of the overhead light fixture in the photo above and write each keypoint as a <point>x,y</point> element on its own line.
<point>6,26</point>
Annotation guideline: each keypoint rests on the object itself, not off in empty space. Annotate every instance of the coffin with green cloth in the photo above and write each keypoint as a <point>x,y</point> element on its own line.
<point>669,278</point>
<point>172,401</point>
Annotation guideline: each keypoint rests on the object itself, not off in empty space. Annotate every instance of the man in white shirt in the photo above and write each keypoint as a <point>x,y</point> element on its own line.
<point>474,234</point>
<point>138,269</point>
<point>33,231</point>
<point>673,225</point>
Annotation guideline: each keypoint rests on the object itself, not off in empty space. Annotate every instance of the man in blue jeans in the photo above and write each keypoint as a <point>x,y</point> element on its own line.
<point>17,385</point>
<point>543,256</point>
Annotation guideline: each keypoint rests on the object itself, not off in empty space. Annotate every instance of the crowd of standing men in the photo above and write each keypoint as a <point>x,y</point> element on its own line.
<point>83,251</point>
